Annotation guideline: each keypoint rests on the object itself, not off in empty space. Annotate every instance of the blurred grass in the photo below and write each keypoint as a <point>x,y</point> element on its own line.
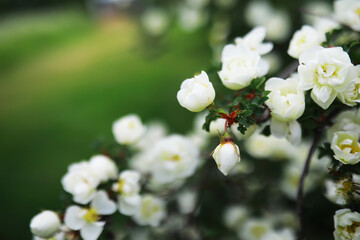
<point>63,80</point>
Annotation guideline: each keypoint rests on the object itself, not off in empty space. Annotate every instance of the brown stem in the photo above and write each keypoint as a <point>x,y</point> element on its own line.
<point>289,70</point>
<point>300,191</point>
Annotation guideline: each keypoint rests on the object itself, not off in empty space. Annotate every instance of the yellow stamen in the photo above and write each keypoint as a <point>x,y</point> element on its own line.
<point>91,215</point>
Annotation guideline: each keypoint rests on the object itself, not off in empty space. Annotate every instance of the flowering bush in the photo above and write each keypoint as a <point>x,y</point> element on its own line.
<point>304,123</point>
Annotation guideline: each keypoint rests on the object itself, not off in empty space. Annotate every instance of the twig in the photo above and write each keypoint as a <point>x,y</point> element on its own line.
<point>289,70</point>
<point>299,198</point>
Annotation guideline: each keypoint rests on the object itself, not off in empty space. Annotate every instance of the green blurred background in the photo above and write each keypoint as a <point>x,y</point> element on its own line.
<point>64,78</point>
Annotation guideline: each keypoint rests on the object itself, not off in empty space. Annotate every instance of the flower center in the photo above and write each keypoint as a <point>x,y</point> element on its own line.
<point>91,215</point>
<point>121,184</point>
<point>258,231</point>
<point>148,208</point>
<point>354,148</point>
<point>357,11</point>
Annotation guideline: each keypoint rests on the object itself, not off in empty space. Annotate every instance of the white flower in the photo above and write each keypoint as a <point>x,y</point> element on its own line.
<point>348,13</point>
<point>286,99</point>
<point>186,201</point>
<point>254,40</point>
<point>348,121</point>
<point>324,25</point>
<point>226,156</point>
<point>155,131</point>
<point>217,126</point>
<point>346,147</point>
<point>351,95</point>
<point>143,161</point>
<point>87,219</point>
<point>45,224</point>
<point>174,158</point>
<point>276,22</point>
<point>346,224</point>
<point>338,191</point>
<point>103,167</point>
<point>151,211</point>
<point>235,216</point>
<point>81,181</point>
<point>196,93</point>
<point>325,71</point>
<point>57,236</point>
<point>240,65</point>
<point>191,19</point>
<point>304,39</point>
<point>238,135</point>
<point>128,129</point>
<point>284,234</point>
<point>155,21</point>
<point>128,188</point>
<point>291,130</point>
<point>255,229</point>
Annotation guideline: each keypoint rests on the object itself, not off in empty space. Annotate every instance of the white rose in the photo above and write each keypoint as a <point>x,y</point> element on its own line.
<point>151,211</point>
<point>128,129</point>
<point>325,71</point>
<point>196,93</point>
<point>346,225</point>
<point>255,229</point>
<point>235,216</point>
<point>240,65</point>
<point>226,156</point>
<point>81,181</point>
<point>104,167</point>
<point>348,121</point>
<point>290,130</point>
<point>286,99</point>
<point>304,39</point>
<point>254,40</point>
<point>217,126</point>
<point>128,188</point>
<point>337,191</point>
<point>88,220</point>
<point>186,201</point>
<point>351,95</point>
<point>155,21</point>
<point>346,147</point>
<point>45,224</point>
<point>347,12</point>
<point>174,158</point>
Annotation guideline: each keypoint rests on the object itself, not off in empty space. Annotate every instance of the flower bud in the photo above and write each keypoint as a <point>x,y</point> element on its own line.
<point>45,224</point>
<point>226,156</point>
<point>196,93</point>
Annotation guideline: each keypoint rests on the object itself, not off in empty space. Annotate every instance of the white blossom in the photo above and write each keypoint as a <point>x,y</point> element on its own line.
<point>235,216</point>
<point>348,121</point>
<point>304,39</point>
<point>103,167</point>
<point>286,98</point>
<point>240,65</point>
<point>155,131</point>
<point>217,126</point>
<point>348,13</point>
<point>81,181</point>
<point>174,158</point>
<point>191,19</point>
<point>45,224</point>
<point>87,220</point>
<point>128,129</point>
<point>255,229</point>
<point>128,189</point>
<point>196,93</point>
<point>351,94</point>
<point>346,147</point>
<point>325,71</point>
<point>151,211</point>
<point>226,156</point>
<point>155,21</point>
<point>254,40</point>
<point>346,224</point>
<point>338,191</point>
<point>186,201</point>
<point>284,234</point>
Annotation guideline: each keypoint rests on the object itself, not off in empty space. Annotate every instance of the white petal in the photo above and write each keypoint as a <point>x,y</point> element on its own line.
<point>278,128</point>
<point>103,204</point>
<point>73,218</point>
<point>92,231</point>
<point>294,132</point>
<point>129,205</point>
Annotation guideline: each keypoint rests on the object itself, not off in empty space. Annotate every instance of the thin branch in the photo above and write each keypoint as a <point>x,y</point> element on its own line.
<point>300,191</point>
<point>289,70</point>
